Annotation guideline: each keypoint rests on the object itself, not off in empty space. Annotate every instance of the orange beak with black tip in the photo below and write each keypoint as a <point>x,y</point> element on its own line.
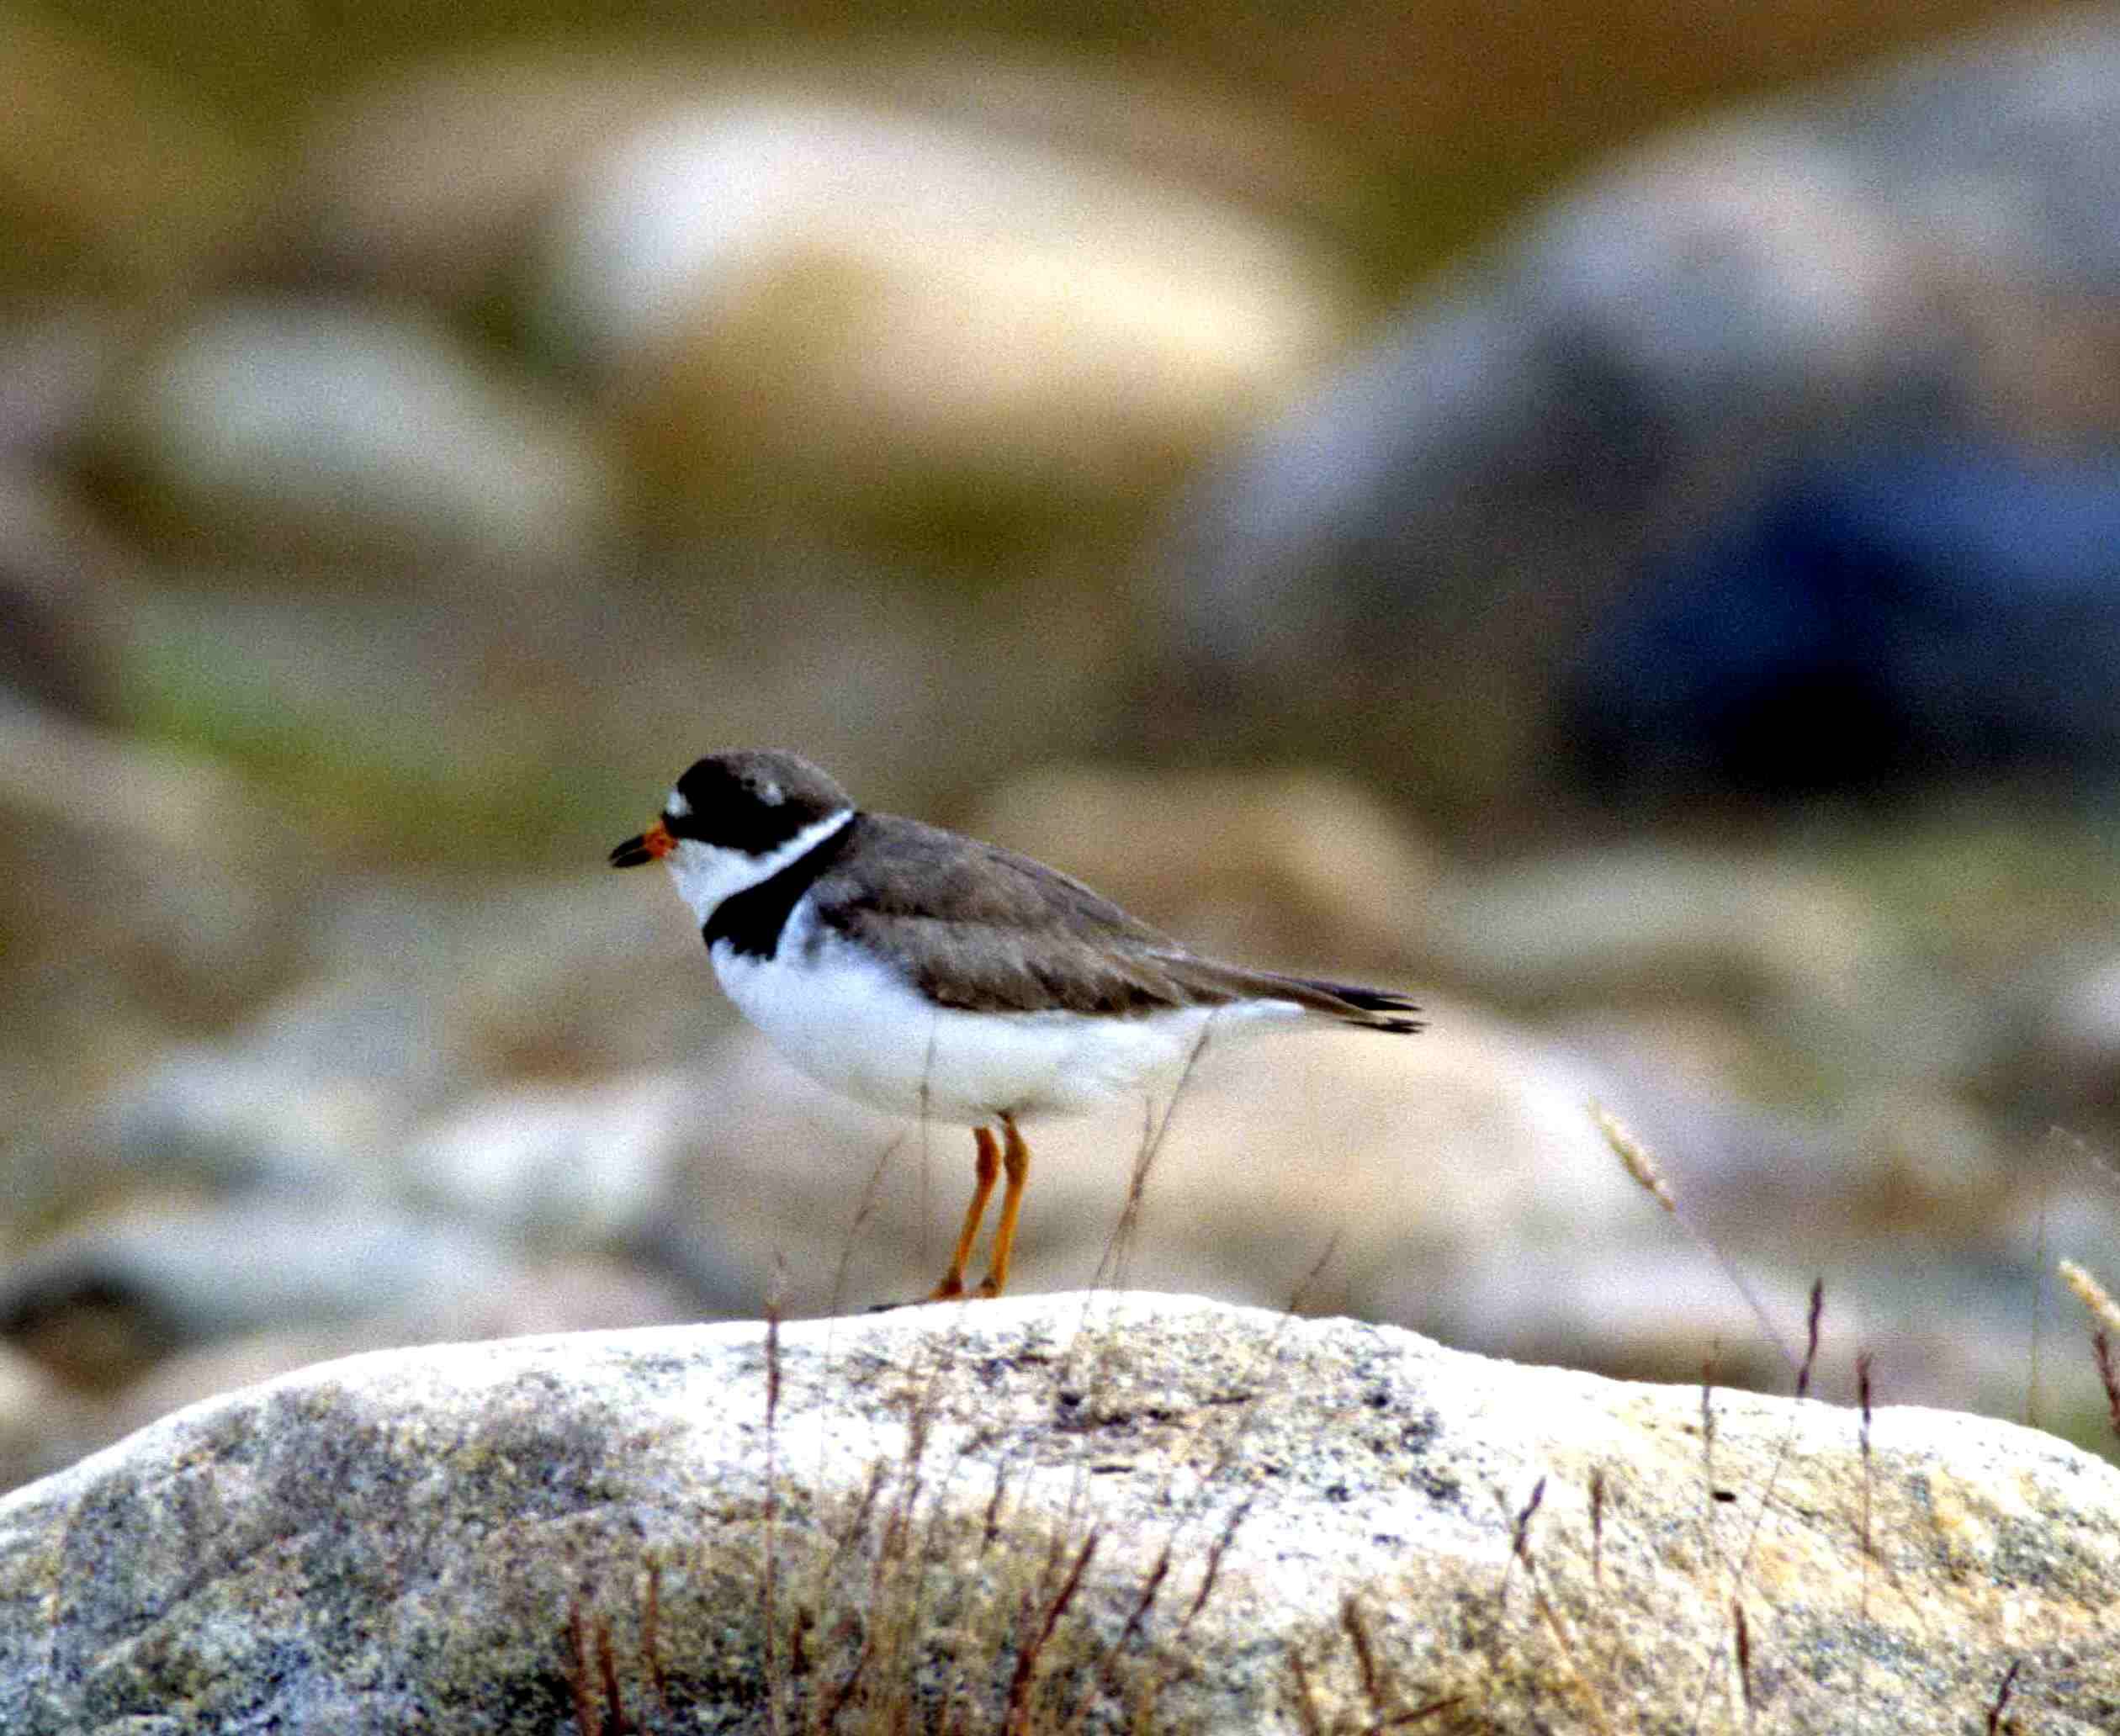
<point>655,842</point>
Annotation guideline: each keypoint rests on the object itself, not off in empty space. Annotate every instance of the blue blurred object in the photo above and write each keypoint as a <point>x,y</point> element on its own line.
<point>1898,614</point>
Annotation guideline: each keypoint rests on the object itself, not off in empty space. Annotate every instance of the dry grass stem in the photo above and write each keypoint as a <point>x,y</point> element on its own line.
<point>1014,1718</point>
<point>1707,1424</point>
<point>2002,1697</point>
<point>1212,1571</point>
<point>1308,1283</point>
<point>1634,1157</point>
<point>1743,1631</point>
<point>607,1677</point>
<point>1642,1168</point>
<point>1863,1392</point>
<point>2108,1377</point>
<point>2092,1294</point>
<point>2033,1385</point>
<point>1555,1624</point>
<point>864,1209</point>
<point>1742,1569</point>
<point>990,1526</point>
<point>1520,1530</point>
<point>2105,1314</point>
<point>775,1677</point>
<point>1357,1635</point>
<point>1520,1550</point>
<point>588,1716</point>
<point>1154,1133</point>
<point>1151,1589</point>
<point>651,1635</point>
<point>1420,1714</point>
<point>1811,1318</point>
<point>844,1689</point>
<point>1305,1702</point>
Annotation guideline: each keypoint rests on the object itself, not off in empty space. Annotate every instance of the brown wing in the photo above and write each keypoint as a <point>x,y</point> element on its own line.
<point>990,929</point>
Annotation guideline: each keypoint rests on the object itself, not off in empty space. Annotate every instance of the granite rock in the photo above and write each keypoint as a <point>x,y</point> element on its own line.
<point>1129,1510</point>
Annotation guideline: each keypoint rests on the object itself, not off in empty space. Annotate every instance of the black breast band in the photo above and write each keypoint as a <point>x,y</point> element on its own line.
<point>752,921</point>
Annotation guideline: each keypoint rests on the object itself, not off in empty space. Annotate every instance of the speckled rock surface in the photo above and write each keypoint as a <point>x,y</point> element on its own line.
<point>1122,1510</point>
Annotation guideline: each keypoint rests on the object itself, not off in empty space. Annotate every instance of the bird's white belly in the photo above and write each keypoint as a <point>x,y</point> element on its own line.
<point>856,1026</point>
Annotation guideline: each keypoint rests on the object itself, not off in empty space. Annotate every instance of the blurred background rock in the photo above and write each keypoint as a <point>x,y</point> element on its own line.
<point>1607,521</point>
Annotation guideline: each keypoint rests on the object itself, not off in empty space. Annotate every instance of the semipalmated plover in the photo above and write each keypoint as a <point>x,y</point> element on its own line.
<point>931,975</point>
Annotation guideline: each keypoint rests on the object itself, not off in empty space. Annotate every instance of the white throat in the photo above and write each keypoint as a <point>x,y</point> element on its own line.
<point>708,873</point>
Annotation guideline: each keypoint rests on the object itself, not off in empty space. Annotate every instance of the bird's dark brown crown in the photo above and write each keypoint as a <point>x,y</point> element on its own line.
<point>752,800</point>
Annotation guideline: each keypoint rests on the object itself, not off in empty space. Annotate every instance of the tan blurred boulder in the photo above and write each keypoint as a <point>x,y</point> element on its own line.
<point>43,1425</point>
<point>570,1167</point>
<point>99,1305</point>
<point>46,1423</point>
<point>1662,919</point>
<point>430,180</point>
<point>878,307</point>
<point>1304,866</point>
<point>882,281</point>
<point>581,1293</point>
<point>138,896</point>
<point>1394,1157</point>
<point>278,423</point>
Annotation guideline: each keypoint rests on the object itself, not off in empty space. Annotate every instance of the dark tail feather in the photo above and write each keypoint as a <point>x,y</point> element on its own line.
<point>1212,983</point>
<point>1370,1009</point>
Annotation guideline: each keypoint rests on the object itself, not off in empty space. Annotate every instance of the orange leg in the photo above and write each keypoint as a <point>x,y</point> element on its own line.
<point>1017,1162</point>
<point>986,1168</point>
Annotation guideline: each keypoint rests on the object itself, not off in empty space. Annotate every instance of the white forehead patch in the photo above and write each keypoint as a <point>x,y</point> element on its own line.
<point>772,794</point>
<point>676,808</point>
